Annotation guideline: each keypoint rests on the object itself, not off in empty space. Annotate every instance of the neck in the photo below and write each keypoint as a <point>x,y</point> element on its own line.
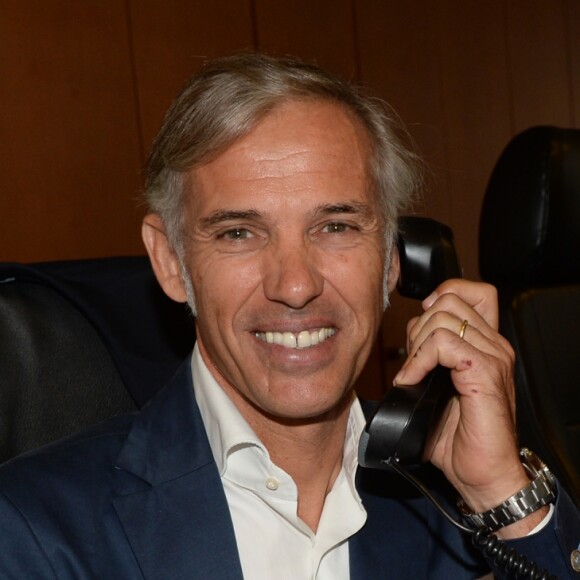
<point>309,451</point>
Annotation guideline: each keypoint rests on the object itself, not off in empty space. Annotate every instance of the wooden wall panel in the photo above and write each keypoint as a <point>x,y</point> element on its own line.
<point>476,97</point>
<point>321,31</point>
<point>400,63</point>
<point>538,64</point>
<point>572,20</point>
<point>172,39</point>
<point>69,146</point>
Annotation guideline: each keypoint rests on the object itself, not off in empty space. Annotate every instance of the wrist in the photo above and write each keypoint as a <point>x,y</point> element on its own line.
<point>538,490</point>
<point>481,499</point>
<point>503,476</point>
<point>525,526</point>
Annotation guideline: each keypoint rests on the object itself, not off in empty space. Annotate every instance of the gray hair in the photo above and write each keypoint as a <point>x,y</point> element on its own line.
<point>226,100</point>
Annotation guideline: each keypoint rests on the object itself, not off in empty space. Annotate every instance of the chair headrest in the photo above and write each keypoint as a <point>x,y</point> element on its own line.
<point>530,222</point>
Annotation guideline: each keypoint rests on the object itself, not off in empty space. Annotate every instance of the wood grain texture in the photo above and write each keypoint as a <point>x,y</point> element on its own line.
<point>572,21</point>
<point>476,97</point>
<point>172,39</point>
<point>537,36</point>
<point>69,147</point>
<point>320,31</point>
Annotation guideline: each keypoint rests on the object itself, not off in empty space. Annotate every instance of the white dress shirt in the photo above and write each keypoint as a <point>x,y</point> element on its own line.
<point>272,540</point>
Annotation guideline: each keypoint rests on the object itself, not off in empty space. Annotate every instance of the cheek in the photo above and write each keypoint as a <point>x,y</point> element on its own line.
<point>359,280</point>
<point>223,286</point>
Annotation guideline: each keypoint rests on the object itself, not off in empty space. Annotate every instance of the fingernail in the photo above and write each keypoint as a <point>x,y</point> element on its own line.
<point>427,303</point>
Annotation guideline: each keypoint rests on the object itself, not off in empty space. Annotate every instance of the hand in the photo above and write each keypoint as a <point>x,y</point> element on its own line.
<point>476,447</point>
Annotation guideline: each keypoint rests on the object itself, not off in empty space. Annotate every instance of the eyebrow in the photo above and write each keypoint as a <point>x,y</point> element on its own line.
<point>224,215</point>
<point>348,208</point>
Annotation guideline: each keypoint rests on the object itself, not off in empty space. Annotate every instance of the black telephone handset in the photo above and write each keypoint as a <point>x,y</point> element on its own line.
<point>401,427</point>
<point>398,433</point>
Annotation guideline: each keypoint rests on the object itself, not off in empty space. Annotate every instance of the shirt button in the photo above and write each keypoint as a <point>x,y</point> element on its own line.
<point>272,483</point>
<point>575,560</point>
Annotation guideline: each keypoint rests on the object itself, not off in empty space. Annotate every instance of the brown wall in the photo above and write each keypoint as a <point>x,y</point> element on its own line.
<point>85,84</point>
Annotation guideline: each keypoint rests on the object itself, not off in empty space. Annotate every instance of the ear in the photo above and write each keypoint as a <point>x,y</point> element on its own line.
<point>163,258</point>
<point>395,269</point>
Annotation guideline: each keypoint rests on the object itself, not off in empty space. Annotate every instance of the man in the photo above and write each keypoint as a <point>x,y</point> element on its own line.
<point>274,191</point>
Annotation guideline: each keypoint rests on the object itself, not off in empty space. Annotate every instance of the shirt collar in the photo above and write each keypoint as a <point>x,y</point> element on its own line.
<point>229,432</point>
<point>226,428</point>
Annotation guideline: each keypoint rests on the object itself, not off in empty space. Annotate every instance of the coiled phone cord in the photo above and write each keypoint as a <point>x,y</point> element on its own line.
<point>495,549</point>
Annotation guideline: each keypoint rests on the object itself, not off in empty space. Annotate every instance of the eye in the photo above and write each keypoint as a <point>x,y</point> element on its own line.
<point>236,234</point>
<point>336,228</point>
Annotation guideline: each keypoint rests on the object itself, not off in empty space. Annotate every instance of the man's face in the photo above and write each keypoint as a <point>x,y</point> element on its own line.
<point>285,249</point>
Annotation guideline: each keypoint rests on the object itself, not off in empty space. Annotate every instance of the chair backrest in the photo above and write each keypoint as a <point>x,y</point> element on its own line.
<point>530,250</point>
<point>81,341</point>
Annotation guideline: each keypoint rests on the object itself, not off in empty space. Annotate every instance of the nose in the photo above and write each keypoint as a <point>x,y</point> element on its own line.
<point>292,276</point>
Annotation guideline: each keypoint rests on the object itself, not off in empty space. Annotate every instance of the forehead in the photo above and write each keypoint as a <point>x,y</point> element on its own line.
<point>301,146</point>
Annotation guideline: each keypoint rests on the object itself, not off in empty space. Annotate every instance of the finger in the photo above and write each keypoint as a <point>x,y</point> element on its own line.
<point>435,349</point>
<point>477,295</point>
<point>478,364</point>
<point>452,313</point>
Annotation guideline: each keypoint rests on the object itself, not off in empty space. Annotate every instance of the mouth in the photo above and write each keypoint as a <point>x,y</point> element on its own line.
<point>302,339</point>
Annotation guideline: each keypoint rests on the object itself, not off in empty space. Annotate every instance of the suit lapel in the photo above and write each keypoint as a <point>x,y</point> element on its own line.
<point>170,498</point>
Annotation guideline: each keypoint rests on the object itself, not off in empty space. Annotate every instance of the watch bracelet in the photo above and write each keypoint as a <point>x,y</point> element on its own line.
<point>539,492</point>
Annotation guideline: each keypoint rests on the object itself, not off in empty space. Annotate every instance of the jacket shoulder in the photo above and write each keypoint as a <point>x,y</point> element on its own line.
<point>86,452</point>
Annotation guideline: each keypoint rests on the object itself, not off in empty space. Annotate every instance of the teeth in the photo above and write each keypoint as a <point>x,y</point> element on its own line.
<point>302,339</point>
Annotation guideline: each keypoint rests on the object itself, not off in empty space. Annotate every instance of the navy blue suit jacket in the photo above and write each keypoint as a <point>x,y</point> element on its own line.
<point>140,496</point>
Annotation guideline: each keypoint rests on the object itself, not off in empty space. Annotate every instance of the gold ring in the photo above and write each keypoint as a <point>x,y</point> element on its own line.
<point>462,329</point>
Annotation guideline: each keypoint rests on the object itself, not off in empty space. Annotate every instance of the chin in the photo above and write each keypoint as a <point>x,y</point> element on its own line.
<point>310,410</point>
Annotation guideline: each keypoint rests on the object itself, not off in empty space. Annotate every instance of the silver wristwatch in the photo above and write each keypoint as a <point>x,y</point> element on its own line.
<point>540,492</point>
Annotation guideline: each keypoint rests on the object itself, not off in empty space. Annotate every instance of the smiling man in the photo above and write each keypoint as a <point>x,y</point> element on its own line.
<point>274,191</point>
<point>285,252</point>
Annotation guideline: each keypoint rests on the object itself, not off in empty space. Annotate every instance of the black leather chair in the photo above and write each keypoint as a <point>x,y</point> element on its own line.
<point>530,250</point>
<point>81,341</point>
